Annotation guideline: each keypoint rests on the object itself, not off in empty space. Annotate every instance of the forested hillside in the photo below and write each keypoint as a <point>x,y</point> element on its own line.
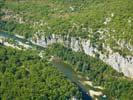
<point>25,76</point>
<point>92,38</point>
<point>101,21</point>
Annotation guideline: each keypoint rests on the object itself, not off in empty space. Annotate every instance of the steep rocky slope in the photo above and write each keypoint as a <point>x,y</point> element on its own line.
<point>118,62</point>
<point>97,27</point>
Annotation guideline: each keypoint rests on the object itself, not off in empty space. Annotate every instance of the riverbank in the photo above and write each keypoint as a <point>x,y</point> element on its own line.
<point>77,78</point>
<point>98,72</point>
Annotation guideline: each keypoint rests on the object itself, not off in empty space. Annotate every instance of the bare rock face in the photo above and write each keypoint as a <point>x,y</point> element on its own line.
<point>88,49</point>
<point>118,62</point>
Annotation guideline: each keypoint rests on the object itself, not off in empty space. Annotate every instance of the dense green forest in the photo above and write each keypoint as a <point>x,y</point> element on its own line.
<point>2,2</point>
<point>25,76</point>
<point>115,84</point>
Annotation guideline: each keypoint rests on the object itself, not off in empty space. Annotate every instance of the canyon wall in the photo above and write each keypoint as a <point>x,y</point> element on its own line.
<point>114,59</point>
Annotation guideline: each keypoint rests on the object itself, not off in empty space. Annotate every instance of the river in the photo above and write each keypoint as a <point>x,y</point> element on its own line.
<point>25,41</point>
<point>61,66</point>
<point>67,70</point>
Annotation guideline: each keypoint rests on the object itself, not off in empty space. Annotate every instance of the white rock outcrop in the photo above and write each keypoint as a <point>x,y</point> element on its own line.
<point>118,62</point>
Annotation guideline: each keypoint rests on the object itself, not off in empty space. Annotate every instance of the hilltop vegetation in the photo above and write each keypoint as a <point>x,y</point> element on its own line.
<point>24,75</point>
<point>102,21</point>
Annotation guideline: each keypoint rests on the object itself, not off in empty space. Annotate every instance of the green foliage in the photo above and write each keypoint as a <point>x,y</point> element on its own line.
<point>1,3</point>
<point>24,75</point>
<point>1,13</point>
<point>115,84</point>
<point>80,18</point>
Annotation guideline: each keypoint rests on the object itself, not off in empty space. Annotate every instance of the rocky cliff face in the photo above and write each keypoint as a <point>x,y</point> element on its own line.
<point>117,61</point>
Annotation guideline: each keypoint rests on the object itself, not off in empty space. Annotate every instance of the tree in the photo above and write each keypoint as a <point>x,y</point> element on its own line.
<point>1,13</point>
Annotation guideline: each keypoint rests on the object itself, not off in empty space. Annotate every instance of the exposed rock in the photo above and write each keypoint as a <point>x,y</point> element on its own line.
<point>118,62</point>
<point>95,93</point>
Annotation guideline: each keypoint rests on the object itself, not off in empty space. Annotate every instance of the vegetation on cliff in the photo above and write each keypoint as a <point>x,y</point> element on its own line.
<point>24,75</point>
<point>102,21</point>
<point>115,84</point>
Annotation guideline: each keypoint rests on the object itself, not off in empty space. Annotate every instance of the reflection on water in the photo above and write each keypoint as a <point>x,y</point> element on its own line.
<point>63,67</point>
<point>72,75</point>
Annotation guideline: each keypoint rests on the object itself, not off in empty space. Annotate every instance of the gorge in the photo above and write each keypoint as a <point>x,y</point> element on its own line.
<point>114,59</point>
